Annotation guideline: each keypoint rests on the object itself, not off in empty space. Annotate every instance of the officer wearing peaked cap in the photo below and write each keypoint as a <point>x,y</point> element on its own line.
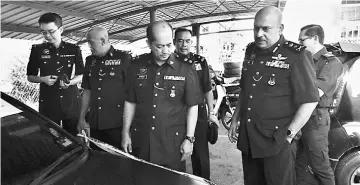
<point>200,157</point>
<point>59,96</point>
<point>278,95</point>
<point>103,83</point>
<point>161,103</point>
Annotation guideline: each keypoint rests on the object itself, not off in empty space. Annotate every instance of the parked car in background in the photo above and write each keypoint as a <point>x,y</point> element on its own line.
<point>34,150</point>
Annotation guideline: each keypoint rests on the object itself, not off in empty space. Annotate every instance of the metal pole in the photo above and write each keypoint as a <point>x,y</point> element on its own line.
<point>197,31</point>
<point>152,15</point>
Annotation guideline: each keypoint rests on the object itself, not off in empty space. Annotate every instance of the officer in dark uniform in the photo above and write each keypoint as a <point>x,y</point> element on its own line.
<point>59,96</point>
<point>103,85</point>
<point>200,157</point>
<point>314,140</point>
<point>278,95</point>
<point>162,97</point>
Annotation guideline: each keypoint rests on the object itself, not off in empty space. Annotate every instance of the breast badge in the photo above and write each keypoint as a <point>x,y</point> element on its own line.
<point>143,70</point>
<point>172,92</point>
<point>278,62</point>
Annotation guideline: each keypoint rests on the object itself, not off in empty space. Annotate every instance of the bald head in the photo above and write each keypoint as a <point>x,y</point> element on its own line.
<point>98,39</point>
<point>98,33</point>
<point>157,27</point>
<point>267,27</point>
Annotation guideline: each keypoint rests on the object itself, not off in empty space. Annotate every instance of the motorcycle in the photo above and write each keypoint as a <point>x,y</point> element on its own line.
<point>226,95</point>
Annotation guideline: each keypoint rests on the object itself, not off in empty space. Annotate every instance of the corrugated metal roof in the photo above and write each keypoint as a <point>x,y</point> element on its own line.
<point>125,20</point>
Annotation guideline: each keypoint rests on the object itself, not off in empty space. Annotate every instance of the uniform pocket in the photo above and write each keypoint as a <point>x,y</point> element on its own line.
<point>275,128</point>
<point>142,91</point>
<point>277,84</point>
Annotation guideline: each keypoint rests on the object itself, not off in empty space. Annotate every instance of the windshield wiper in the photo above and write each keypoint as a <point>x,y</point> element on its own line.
<point>50,168</point>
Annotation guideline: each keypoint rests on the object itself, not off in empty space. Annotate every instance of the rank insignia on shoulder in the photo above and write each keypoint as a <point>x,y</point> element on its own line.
<point>294,46</point>
<point>198,67</point>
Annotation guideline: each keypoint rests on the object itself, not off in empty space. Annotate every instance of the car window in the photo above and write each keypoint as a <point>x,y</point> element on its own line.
<point>29,144</point>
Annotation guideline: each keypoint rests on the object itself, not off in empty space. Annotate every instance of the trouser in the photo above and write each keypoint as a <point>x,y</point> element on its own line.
<point>314,151</point>
<point>110,136</point>
<point>69,125</point>
<point>200,157</point>
<point>274,170</point>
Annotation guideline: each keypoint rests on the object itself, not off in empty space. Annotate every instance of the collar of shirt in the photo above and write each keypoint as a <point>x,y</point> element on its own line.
<point>273,48</point>
<point>171,61</point>
<point>317,55</point>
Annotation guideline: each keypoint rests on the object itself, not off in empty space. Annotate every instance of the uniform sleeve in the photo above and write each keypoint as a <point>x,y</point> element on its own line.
<point>130,92</point>
<point>33,65</point>
<point>303,80</point>
<point>79,63</point>
<point>192,89</point>
<point>86,79</point>
<point>329,75</point>
<point>206,84</point>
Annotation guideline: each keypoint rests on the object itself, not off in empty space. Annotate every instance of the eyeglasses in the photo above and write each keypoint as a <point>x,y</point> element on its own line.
<point>49,32</point>
<point>303,39</point>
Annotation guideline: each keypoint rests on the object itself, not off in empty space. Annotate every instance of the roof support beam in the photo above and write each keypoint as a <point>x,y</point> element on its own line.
<point>40,6</point>
<point>32,30</point>
<point>152,16</point>
<point>127,14</point>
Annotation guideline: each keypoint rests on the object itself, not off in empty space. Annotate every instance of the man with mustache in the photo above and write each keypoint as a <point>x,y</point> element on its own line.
<point>278,95</point>
<point>103,85</point>
<point>200,157</point>
<point>161,103</point>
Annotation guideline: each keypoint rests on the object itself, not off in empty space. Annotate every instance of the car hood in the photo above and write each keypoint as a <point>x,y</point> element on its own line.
<point>107,169</point>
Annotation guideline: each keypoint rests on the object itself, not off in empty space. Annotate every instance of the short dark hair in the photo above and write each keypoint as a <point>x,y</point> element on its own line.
<point>150,29</point>
<point>51,17</point>
<point>182,29</point>
<point>314,29</point>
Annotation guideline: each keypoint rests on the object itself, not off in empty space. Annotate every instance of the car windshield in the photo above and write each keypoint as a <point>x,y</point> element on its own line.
<point>30,144</point>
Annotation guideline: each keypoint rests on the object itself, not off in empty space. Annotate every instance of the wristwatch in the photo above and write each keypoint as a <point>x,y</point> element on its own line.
<point>190,138</point>
<point>290,133</point>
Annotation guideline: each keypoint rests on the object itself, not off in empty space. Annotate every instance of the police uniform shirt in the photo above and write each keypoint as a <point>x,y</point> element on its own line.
<point>328,69</point>
<point>274,83</point>
<point>202,69</point>
<point>162,95</point>
<point>54,102</point>
<point>105,77</point>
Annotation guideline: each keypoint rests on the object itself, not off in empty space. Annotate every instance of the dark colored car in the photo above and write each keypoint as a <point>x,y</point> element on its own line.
<point>344,135</point>
<point>34,150</point>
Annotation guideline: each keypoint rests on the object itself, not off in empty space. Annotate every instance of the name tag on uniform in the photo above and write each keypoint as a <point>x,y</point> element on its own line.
<point>45,56</point>
<point>112,62</point>
<point>198,67</point>
<point>141,77</point>
<point>67,55</point>
<point>178,78</point>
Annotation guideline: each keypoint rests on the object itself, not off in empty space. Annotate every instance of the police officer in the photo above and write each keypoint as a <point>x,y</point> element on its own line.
<point>315,133</point>
<point>278,94</point>
<point>162,98</point>
<point>200,157</point>
<point>103,85</point>
<point>59,96</point>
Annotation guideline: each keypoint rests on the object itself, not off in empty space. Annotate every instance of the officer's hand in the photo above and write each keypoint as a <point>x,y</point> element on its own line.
<point>213,118</point>
<point>50,80</point>
<point>126,143</point>
<point>186,149</point>
<point>83,125</point>
<point>232,132</point>
<point>64,85</point>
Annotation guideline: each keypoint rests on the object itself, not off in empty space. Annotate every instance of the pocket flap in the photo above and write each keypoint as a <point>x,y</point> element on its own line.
<point>274,127</point>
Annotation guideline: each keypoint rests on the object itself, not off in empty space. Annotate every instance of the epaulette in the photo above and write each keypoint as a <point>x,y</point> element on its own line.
<point>250,47</point>
<point>139,57</point>
<point>251,44</point>
<point>38,45</point>
<point>294,46</point>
